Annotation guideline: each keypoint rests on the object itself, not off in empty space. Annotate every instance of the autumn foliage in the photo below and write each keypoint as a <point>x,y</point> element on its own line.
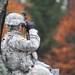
<point>63,59</point>
<point>63,55</point>
<point>15,6</point>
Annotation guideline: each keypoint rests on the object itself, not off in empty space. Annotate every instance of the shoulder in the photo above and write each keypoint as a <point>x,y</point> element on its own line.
<point>6,37</point>
<point>16,38</point>
<point>20,38</point>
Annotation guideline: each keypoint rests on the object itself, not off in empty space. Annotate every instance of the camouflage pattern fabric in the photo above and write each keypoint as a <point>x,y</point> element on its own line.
<point>3,70</point>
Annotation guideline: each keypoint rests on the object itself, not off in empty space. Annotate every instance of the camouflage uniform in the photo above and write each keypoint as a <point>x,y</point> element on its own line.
<point>18,53</point>
<point>3,70</point>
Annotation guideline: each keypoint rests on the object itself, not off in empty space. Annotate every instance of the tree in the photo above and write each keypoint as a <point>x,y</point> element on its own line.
<point>63,55</point>
<point>46,15</point>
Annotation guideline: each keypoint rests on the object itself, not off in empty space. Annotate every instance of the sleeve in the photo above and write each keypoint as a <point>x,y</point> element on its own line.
<point>22,44</point>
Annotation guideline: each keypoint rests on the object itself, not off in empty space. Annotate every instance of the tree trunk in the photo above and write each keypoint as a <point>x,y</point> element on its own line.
<point>3,5</point>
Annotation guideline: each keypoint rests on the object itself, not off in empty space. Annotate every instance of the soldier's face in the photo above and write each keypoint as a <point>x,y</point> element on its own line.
<point>22,30</point>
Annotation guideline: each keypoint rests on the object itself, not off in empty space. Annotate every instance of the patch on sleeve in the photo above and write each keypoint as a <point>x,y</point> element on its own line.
<point>21,38</point>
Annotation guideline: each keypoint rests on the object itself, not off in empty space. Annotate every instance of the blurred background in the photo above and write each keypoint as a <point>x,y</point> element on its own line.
<point>55,21</point>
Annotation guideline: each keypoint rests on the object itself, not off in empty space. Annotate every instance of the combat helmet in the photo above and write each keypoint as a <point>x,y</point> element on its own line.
<point>14,19</point>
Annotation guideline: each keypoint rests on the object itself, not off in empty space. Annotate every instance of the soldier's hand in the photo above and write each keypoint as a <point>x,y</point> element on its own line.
<point>30,25</point>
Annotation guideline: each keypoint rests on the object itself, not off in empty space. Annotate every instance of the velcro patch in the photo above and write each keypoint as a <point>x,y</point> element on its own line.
<point>21,38</point>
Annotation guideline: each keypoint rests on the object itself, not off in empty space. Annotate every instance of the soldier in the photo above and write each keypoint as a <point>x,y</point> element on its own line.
<point>18,53</point>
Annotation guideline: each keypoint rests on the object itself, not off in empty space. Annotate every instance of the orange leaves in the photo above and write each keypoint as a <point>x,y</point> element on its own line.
<point>65,29</point>
<point>64,36</point>
<point>63,56</point>
<point>15,6</point>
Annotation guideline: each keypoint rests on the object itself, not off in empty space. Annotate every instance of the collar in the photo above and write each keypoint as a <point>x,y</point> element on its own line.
<point>15,32</point>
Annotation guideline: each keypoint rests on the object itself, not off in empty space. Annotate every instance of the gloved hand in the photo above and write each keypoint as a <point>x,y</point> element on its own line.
<point>30,25</point>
